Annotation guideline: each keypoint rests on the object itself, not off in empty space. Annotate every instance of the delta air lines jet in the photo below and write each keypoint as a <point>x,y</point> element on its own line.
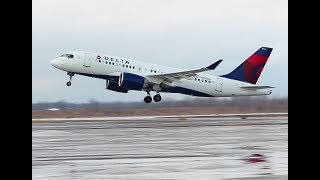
<point>123,75</point>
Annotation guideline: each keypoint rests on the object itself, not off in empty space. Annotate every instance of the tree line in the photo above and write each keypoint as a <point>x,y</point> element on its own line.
<point>190,102</point>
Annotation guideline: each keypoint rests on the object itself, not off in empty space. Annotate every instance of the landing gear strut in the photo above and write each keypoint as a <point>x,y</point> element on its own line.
<point>70,75</point>
<point>148,98</point>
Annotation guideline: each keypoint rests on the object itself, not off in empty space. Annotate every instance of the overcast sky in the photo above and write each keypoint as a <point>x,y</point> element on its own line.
<point>180,33</point>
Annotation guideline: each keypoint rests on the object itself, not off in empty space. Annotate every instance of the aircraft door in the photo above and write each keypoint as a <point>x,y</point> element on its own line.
<point>219,84</point>
<point>87,60</point>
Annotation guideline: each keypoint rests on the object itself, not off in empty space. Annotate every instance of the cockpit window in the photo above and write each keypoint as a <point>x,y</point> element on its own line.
<point>67,55</point>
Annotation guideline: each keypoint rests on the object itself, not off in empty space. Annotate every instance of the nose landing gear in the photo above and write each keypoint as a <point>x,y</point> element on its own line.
<point>70,76</point>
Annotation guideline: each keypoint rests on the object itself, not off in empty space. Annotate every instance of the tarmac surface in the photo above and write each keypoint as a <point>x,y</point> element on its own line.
<point>216,147</point>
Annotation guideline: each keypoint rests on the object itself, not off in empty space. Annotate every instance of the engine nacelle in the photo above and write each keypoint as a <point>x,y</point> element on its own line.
<point>113,86</point>
<point>132,81</point>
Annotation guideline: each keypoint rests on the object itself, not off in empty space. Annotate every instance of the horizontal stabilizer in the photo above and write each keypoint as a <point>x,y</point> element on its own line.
<point>255,87</point>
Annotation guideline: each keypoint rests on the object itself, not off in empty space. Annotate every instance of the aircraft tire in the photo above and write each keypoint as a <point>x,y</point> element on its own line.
<point>157,98</point>
<point>147,99</point>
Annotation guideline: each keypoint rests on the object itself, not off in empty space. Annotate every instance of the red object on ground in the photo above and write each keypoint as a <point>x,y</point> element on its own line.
<point>255,158</point>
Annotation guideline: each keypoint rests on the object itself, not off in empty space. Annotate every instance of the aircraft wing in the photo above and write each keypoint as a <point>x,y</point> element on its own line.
<point>176,76</point>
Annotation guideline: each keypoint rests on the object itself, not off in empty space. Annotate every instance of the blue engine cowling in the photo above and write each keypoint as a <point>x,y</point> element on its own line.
<point>113,86</point>
<point>132,81</point>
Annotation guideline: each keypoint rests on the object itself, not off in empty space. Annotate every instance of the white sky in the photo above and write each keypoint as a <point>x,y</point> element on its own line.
<point>180,33</point>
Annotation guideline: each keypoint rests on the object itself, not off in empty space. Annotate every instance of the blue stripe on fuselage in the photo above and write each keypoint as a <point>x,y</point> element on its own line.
<point>177,89</point>
<point>171,89</point>
<point>111,78</point>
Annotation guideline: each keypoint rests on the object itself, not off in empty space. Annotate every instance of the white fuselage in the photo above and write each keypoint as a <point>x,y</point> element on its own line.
<point>107,66</point>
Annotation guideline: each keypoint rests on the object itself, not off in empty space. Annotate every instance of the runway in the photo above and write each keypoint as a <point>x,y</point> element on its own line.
<point>181,147</point>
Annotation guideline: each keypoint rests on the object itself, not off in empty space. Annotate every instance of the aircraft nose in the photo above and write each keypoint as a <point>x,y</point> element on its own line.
<point>56,63</point>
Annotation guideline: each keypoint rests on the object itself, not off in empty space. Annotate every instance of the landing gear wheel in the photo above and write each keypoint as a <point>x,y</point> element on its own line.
<point>157,98</point>
<point>147,99</point>
<point>69,83</point>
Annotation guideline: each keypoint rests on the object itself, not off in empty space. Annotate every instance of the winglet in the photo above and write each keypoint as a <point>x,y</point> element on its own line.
<point>214,65</point>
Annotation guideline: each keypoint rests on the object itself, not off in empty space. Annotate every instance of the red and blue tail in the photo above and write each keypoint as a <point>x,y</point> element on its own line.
<point>250,70</point>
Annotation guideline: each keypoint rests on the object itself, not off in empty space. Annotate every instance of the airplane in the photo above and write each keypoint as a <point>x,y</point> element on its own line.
<point>123,75</point>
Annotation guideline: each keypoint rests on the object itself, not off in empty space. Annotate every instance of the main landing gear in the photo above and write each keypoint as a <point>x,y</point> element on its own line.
<point>148,98</point>
<point>157,98</point>
<point>70,75</point>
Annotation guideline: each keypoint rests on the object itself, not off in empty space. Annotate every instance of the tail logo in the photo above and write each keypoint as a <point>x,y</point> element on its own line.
<point>250,69</point>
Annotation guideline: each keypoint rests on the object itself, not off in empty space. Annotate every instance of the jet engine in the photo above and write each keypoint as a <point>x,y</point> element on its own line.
<point>113,86</point>
<point>132,81</point>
